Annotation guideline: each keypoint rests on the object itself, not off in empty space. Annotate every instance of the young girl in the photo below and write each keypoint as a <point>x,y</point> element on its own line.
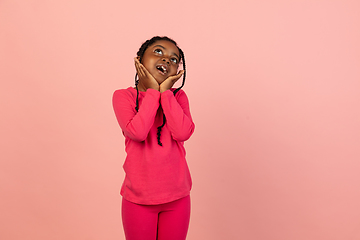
<point>155,120</point>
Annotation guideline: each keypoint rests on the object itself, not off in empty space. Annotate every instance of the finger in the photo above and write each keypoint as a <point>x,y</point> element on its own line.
<point>139,69</point>
<point>147,73</point>
<point>181,73</point>
<point>177,76</point>
<point>136,64</point>
<point>172,79</point>
<point>143,68</point>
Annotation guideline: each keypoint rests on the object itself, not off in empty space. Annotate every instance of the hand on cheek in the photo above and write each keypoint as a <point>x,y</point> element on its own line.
<point>170,81</point>
<point>146,80</point>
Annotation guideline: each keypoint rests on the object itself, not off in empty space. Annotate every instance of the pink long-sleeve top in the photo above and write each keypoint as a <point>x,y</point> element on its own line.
<point>154,174</point>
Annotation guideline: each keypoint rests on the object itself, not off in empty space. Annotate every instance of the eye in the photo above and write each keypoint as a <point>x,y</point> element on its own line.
<point>158,51</point>
<point>174,60</point>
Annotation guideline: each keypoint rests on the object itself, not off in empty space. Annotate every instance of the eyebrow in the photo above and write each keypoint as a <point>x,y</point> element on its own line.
<point>165,49</point>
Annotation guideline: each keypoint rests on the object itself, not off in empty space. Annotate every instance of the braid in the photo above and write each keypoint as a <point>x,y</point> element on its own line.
<point>140,54</point>
<point>159,130</point>
<point>184,68</point>
<point>137,93</point>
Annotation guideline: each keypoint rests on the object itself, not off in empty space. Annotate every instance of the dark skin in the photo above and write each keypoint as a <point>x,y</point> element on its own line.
<point>160,55</point>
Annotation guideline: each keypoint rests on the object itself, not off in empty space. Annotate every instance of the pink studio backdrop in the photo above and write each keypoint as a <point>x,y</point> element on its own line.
<point>274,88</point>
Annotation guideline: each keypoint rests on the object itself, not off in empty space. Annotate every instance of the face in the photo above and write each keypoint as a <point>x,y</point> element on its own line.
<point>161,59</point>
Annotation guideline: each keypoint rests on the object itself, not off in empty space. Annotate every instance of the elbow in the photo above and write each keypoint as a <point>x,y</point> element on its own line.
<point>136,136</point>
<point>184,135</point>
<point>138,139</point>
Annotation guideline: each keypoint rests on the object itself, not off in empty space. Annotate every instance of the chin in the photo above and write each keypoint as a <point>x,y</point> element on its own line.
<point>160,82</point>
<point>160,79</point>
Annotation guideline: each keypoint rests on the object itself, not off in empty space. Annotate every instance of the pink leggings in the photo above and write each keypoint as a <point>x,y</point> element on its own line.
<point>168,221</point>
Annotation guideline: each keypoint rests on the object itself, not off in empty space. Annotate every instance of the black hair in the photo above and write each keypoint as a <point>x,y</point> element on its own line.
<point>140,54</point>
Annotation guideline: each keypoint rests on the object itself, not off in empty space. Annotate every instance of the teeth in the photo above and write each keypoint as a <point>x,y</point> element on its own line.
<point>162,68</point>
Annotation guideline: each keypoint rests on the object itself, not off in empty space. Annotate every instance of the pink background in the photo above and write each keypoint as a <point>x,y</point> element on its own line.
<point>274,88</point>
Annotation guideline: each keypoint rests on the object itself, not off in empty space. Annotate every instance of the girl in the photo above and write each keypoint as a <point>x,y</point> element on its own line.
<point>155,120</point>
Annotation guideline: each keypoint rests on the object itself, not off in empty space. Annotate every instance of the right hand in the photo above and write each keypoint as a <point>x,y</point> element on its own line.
<point>146,80</point>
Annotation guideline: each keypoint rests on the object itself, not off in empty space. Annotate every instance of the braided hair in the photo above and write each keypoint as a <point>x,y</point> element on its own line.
<point>140,54</point>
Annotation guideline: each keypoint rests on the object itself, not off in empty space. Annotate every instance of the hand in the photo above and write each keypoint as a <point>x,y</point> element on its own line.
<point>170,81</point>
<point>146,80</point>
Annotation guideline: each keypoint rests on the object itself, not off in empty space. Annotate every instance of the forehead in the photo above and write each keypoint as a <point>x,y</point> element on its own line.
<point>169,46</point>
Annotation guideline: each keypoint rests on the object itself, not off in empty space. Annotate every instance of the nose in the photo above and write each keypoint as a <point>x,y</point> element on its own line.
<point>166,60</point>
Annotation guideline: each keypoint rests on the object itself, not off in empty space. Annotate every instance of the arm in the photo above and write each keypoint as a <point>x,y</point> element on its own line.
<point>177,112</point>
<point>136,125</point>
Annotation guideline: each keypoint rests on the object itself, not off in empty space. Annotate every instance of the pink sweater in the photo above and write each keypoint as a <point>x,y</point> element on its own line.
<point>154,174</point>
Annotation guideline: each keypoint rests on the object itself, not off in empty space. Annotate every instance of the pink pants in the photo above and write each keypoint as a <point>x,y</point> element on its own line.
<point>168,221</point>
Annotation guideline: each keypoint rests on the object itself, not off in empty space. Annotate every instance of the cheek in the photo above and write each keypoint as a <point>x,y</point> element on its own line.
<point>147,62</point>
<point>174,70</point>
<point>146,65</point>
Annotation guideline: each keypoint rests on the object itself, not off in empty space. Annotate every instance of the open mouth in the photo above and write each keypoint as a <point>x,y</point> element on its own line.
<point>162,69</point>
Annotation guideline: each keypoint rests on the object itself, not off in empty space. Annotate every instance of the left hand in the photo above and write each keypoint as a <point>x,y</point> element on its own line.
<point>170,81</point>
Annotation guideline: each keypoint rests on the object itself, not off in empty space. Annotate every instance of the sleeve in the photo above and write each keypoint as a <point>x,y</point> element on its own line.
<point>135,125</point>
<point>177,113</point>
